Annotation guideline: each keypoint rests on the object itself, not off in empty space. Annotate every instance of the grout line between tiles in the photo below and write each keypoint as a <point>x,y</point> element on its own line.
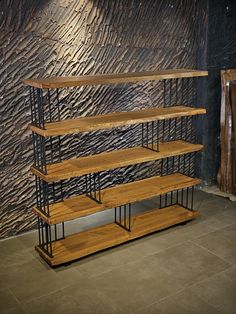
<point>187,287</point>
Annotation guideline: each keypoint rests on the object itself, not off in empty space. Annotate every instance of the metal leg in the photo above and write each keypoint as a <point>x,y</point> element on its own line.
<point>123,219</point>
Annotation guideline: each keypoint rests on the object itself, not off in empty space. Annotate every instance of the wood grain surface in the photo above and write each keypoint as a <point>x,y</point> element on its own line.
<point>226,175</point>
<point>80,206</point>
<point>131,77</point>
<point>87,242</point>
<point>116,119</point>
<point>110,160</point>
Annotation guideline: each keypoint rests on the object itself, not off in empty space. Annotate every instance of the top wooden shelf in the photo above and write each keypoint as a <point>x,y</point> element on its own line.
<point>72,81</point>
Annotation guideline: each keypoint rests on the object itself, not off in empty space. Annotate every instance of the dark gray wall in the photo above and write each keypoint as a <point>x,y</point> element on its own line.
<point>220,54</point>
<point>54,38</point>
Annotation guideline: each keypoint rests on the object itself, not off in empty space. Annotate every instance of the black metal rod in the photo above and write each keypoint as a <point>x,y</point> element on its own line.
<point>40,107</point>
<point>63,230</point>
<point>152,128</point>
<point>124,209</point>
<point>49,106</point>
<point>55,231</point>
<point>157,135</point>
<point>39,233</point>
<point>142,134</point>
<point>187,197</point>
<point>58,105</point>
<point>50,239</point>
<point>164,87</point>
<point>129,216</point>
<point>192,197</point>
<point>42,228</point>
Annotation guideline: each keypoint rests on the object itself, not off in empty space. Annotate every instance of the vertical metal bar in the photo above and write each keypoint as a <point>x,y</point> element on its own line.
<point>175,129</point>
<point>51,149</point>
<point>181,128</point>
<point>40,193</point>
<point>182,92</point>
<point>189,164</point>
<point>59,148</point>
<point>40,107</point>
<point>164,87</point>
<point>163,130</point>
<point>37,191</point>
<point>55,230</point>
<point>142,134</point>
<point>147,134</point>
<point>49,106</point>
<point>124,206</point>
<point>99,188</point>
<point>120,214</point>
<point>63,230</point>
<point>50,239</point>
<point>157,135</point>
<point>58,105</point>
<point>187,197</point>
<point>46,234</point>
<point>169,129</point>
<point>192,197</point>
<point>129,216</point>
<point>39,233</point>
<point>115,215</point>
<point>42,228</point>
<point>176,91</point>
<point>152,127</point>
<point>182,196</point>
<point>179,157</point>
<point>94,186</point>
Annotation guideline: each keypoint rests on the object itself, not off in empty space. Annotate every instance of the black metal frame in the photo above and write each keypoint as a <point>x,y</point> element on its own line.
<point>150,135</point>
<point>93,186</point>
<point>46,235</point>
<point>42,108</point>
<point>123,216</point>
<point>183,197</point>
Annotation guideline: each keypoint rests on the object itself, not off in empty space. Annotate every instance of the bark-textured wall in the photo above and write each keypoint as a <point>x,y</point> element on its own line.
<point>66,37</point>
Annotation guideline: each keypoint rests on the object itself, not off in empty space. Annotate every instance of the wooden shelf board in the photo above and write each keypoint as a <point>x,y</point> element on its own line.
<point>87,242</point>
<point>116,119</point>
<point>82,205</point>
<point>72,81</point>
<point>115,159</point>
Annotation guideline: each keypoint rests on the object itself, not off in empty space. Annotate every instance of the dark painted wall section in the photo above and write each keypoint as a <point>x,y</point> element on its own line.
<point>220,54</point>
<point>65,37</point>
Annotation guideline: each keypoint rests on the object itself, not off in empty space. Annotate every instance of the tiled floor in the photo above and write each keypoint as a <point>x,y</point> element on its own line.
<point>186,269</point>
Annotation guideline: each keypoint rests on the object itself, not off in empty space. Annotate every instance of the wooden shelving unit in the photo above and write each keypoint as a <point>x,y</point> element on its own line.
<point>173,184</point>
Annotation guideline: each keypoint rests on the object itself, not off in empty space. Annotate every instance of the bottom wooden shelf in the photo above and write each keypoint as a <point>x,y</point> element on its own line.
<point>87,242</point>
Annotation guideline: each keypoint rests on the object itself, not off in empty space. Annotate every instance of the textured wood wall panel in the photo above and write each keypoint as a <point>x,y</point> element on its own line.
<point>52,38</point>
